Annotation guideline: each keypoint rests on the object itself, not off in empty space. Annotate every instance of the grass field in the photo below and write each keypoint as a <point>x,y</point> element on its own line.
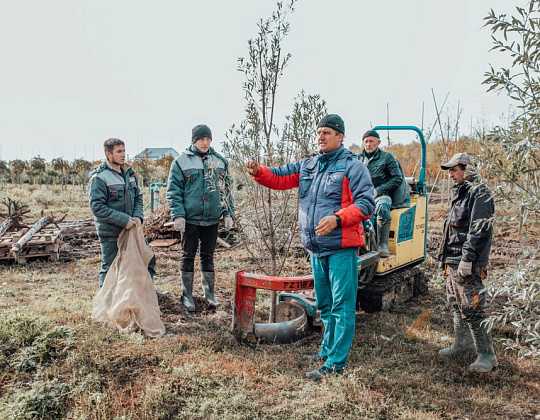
<point>56,363</point>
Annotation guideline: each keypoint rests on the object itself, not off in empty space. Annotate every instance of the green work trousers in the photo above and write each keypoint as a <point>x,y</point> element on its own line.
<point>336,283</point>
<point>109,249</point>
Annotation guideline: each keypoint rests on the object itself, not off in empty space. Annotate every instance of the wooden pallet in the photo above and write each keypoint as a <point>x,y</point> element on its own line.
<point>44,244</point>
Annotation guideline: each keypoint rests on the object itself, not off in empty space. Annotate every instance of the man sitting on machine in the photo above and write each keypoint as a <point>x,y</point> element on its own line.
<point>391,189</point>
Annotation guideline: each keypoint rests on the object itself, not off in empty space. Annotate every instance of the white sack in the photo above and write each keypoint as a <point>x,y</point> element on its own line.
<point>128,298</point>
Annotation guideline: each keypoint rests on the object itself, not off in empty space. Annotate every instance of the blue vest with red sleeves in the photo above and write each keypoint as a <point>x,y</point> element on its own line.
<point>334,183</point>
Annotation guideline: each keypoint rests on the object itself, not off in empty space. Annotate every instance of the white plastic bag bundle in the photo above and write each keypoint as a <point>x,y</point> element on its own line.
<point>128,298</point>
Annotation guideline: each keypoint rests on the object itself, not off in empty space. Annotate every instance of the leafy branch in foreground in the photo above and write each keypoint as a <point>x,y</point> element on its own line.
<point>520,289</point>
<point>512,154</point>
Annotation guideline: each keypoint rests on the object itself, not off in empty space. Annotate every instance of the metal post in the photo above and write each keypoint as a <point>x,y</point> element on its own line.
<point>154,195</point>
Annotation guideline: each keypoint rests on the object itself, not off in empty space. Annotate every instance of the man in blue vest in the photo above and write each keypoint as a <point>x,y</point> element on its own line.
<point>335,195</point>
<point>116,202</point>
<point>199,194</point>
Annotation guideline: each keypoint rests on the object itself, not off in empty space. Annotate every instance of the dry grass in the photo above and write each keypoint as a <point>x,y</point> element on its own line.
<point>199,371</point>
<point>72,201</point>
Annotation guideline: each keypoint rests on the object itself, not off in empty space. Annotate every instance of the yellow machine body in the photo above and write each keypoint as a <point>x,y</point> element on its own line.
<point>407,240</point>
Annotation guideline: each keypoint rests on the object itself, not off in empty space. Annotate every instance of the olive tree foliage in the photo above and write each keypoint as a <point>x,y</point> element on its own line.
<point>17,168</point>
<point>4,170</point>
<point>299,137</point>
<point>37,168</point>
<point>519,288</point>
<point>165,163</point>
<point>512,154</point>
<point>514,151</point>
<point>148,171</point>
<point>80,169</point>
<point>61,167</point>
<point>267,219</point>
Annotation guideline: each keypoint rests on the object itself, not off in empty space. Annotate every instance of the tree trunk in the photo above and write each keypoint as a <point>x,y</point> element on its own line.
<point>273,263</point>
<point>273,294</point>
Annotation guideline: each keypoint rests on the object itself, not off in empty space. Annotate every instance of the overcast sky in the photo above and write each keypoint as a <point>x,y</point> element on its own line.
<point>75,73</point>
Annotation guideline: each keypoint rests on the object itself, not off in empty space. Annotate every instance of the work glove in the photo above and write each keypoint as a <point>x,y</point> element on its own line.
<point>464,269</point>
<point>180,224</point>
<point>131,222</point>
<point>228,222</point>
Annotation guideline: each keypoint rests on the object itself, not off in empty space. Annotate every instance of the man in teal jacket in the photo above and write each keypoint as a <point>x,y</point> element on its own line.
<point>391,189</point>
<point>115,200</point>
<point>199,194</point>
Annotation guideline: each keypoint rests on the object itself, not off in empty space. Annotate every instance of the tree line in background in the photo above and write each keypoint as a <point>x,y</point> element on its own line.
<point>297,141</point>
<point>61,172</point>
<point>37,171</point>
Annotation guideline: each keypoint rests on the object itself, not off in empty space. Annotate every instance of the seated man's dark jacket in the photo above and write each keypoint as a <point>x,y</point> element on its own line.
<point>387,177</point>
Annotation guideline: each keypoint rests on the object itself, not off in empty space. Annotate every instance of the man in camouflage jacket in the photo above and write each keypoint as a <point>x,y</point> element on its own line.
<point>464,252</point>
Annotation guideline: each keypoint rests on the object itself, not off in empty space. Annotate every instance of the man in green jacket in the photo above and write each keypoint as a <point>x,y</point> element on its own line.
<point>391,189</point>
<point>115,200</point>
<point>199,194</point>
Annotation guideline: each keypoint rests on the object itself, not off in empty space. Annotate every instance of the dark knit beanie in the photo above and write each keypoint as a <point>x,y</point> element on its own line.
<point>333,121</point>
<point>371,133</point>
<point>200,131</point>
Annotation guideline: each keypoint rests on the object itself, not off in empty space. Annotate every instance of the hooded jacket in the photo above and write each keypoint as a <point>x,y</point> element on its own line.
<point>199,187</point>
<point>468,230</point>
<point>114,197</point>
<point>387,177</point>
<point>334,183</point>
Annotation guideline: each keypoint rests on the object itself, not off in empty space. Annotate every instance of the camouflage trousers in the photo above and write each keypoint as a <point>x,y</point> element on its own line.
<point>465,294</point>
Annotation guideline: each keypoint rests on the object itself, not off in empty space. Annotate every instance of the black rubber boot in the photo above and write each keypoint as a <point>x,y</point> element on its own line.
<point>383,232</point>
<point>323,372</point>
<point>208,282</point>
<point>464,341</point>
<point>161,295</point>
<point>152,272</point>
<point>187,290</point>
<point>483,342</point>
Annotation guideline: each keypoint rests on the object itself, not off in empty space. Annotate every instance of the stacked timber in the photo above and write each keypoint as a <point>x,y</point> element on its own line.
<point>159,229</point>
<point>35,241</point>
